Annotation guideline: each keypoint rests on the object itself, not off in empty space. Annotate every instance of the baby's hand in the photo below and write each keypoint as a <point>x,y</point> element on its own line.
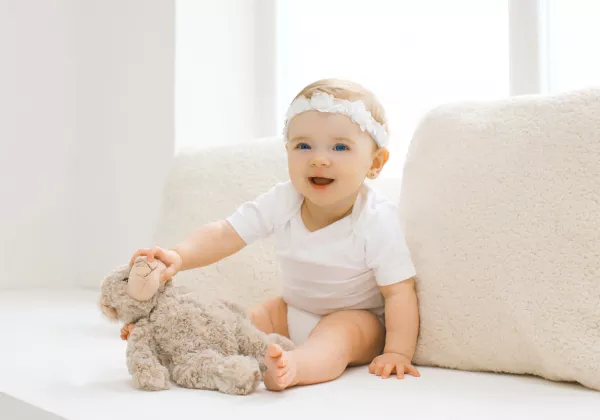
<point>388,363</point>
<point>168,257</point>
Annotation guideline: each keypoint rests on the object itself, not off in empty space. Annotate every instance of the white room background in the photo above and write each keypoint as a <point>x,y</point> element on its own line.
<point>95,97</point>
<point>86,135</point>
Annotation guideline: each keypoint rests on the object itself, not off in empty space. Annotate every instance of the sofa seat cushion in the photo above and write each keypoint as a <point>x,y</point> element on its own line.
<point>59,354</point>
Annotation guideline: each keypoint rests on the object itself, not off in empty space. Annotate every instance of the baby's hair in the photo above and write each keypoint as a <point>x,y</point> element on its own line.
<point>350,91</point>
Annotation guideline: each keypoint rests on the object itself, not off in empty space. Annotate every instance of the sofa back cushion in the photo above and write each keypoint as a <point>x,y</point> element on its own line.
<point>501,203</point>
<point>207,185</point>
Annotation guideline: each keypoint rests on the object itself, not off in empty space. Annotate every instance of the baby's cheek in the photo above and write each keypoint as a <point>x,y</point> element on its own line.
<point>354,171</point>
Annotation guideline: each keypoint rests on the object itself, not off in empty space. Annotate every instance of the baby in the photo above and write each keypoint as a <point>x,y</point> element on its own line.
<point>348,279</point>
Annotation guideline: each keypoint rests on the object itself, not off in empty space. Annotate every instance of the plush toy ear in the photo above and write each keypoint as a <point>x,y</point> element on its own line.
<point>108,311</point>
<point>144,278</point>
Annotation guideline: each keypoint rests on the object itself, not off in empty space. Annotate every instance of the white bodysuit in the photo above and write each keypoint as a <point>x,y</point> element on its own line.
<point>340,266</point>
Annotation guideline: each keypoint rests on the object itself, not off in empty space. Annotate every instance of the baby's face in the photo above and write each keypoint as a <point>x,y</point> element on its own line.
<point>329,156</point>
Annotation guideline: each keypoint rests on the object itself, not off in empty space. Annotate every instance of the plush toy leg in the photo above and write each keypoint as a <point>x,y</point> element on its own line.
<point>253,342</point>
<point>236,374</point>
<point>143,364</point>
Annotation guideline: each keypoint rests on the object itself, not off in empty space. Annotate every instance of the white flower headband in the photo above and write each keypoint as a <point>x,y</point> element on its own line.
<point>356,111</point>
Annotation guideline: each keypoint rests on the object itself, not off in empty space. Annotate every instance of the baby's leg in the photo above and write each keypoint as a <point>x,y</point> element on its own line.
<point>340,339</point>
<point>271,317</point>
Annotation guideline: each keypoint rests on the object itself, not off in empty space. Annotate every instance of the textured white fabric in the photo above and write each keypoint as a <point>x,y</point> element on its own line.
<point>60,354</point>
<point>340,266</point>
<point>501,202</point>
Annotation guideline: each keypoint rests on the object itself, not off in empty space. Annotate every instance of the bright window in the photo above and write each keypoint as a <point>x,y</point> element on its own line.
<point>572,34</point>
<point>413,55</point>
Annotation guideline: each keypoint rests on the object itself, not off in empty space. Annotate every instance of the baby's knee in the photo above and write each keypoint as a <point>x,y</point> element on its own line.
<point>277,311</point>
<point>270,316</point>
<point>259,317</point>
<point>364,333</point>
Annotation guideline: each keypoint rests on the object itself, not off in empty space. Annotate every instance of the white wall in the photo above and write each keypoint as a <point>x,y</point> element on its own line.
<point>86,134</point>
<point>225,71</point>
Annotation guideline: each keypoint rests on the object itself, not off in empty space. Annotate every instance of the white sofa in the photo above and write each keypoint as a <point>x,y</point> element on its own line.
<point>59,354</point>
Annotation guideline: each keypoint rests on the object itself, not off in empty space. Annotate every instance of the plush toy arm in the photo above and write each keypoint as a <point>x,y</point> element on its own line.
<point>236,374</point>
<point>143,364</point>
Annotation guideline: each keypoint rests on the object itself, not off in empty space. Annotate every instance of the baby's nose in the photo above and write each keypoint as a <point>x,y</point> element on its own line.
<point>319,162</point>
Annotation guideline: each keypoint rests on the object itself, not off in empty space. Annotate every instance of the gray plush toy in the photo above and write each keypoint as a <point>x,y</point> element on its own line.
<point>203,345</point>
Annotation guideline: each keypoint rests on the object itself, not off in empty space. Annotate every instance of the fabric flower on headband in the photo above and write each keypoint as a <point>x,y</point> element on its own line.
<point>355,110</point>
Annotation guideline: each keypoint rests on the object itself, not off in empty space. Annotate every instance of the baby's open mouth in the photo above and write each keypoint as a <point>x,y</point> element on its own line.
<point>315,180</point>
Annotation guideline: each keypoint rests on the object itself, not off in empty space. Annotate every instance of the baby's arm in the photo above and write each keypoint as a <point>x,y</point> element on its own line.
<point>389,256</point>
<point>208,244</point>
<point>401,318</point>
<point>215,241</point>
<point>402,329</point>
<point>252,220</point>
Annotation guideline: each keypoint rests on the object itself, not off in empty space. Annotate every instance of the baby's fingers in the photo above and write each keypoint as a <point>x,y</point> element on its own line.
<point>372,367</point>
<point>137,253</point>
<point>160,254</point>
<point>387,371</point>
<point>408,368</point>
<point>144,251</point>
<point>168,273</point>
<point>413,371</point>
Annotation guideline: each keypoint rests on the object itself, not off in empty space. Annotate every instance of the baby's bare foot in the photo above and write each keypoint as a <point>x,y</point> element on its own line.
<point>281,368</point>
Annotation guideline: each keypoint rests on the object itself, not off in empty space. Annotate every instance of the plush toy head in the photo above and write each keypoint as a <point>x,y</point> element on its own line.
<point>121,288</point>
<point>144,278</point>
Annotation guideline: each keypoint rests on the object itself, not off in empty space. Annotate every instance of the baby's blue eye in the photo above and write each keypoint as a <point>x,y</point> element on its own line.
<point>303,146</point>
<point>340,147</point>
